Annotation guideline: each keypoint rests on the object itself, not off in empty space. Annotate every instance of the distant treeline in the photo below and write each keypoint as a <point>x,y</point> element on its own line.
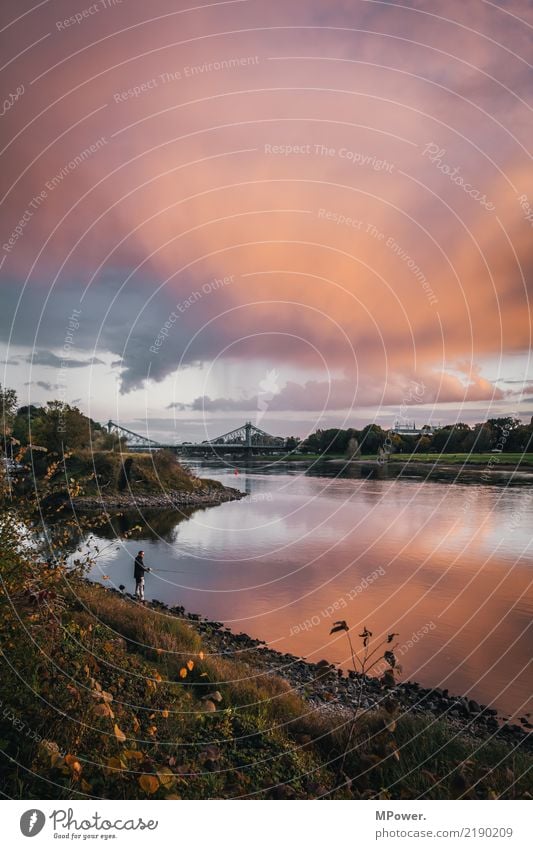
<point>505,434</point>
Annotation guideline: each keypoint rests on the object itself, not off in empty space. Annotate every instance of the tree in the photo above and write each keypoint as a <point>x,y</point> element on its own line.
<point>423,445</point>
<point>353,450</point>
<point>520,439</point>
<point>450,439</point>
<point>502,429</point>
<point>395,443</point>
<point>334,440</point>
<point>480,439</point>
<point>60,427</point>
<point>372,438</point>
<point>22,422</point>
<point>8,406</point>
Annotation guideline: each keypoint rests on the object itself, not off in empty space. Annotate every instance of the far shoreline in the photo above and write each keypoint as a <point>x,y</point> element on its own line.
<point>438,469</point>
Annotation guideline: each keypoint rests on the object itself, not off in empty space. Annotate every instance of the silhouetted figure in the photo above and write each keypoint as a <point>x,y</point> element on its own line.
<point>138,572</point>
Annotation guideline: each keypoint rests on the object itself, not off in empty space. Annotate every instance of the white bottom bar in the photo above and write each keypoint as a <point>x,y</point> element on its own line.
<point>247,824</point>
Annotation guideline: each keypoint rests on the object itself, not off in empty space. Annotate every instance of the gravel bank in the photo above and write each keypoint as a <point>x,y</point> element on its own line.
<point>205,497</point>
<point>328,688</point>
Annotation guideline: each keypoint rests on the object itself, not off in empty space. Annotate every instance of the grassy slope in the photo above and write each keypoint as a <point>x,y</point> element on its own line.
<point>155,737</point>
<point>155,473</point>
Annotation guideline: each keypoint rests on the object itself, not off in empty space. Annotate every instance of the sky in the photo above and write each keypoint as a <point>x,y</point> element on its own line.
<point>301,214</point>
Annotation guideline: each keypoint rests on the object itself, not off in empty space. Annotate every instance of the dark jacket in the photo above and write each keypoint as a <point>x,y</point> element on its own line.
<point>139,568</point>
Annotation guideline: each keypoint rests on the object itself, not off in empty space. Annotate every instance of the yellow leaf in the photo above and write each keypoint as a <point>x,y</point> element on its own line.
<point>166,777</point>
<point>121,737</point>
<point>152,729</point>
<point>173,796</point>
<point>149,783</point>
<point>159,651</point>
<point>133,754</point>
<point>201,655</point>
<point>183,672</point>
<point>116,763</point>
<point>157,676</point>
<point>190,665</point>
<point>136,724</point>
<point>72,762</point>
<point>164,713</point>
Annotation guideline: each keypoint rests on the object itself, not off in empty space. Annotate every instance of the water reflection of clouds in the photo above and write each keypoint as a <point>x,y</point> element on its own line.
<point>264,565</point>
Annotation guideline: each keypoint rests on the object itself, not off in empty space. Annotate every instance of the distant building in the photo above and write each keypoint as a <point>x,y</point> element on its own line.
<point>410,429</point>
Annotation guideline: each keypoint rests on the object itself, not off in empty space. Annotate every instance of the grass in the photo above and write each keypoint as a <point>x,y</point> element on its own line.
<point>117,693</point>
<point>109,473</point>
<point>482,459</point>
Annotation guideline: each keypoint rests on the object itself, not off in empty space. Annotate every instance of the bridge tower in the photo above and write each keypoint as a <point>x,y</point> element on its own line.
<point>248,436</point>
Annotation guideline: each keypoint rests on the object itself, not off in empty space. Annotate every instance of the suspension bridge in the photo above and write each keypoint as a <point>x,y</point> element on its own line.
<point>247,439</point>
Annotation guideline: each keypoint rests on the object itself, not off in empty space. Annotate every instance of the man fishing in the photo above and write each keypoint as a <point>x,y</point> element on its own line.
<point>138,572</point>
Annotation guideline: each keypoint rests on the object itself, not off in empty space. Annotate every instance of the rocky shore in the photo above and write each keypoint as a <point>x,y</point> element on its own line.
<point>208,496</point>
<point>328,688</point>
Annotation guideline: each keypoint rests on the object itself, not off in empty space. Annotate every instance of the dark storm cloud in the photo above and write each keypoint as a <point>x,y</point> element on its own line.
<point>48,358</point>
<point>44,384</point>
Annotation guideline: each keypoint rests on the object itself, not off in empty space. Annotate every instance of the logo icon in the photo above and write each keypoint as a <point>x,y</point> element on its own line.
<point>32,822</point>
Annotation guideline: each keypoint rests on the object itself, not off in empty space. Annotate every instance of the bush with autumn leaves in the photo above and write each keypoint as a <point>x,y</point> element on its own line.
<point>103,698</point>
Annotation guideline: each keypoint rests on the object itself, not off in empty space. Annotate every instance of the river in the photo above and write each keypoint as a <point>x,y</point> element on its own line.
<point>446,566</point>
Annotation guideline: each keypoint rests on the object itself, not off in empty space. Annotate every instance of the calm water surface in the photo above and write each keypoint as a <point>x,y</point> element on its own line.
<point>449,567</point>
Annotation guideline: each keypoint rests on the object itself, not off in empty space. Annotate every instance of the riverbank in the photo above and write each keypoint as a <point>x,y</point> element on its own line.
<point>478,472</point>
<point>115,700</point>
<point>118,481</point>
<point>492,469</point>
<point>222,556</point>
<point>331,690</point>
<point>207,496</point>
